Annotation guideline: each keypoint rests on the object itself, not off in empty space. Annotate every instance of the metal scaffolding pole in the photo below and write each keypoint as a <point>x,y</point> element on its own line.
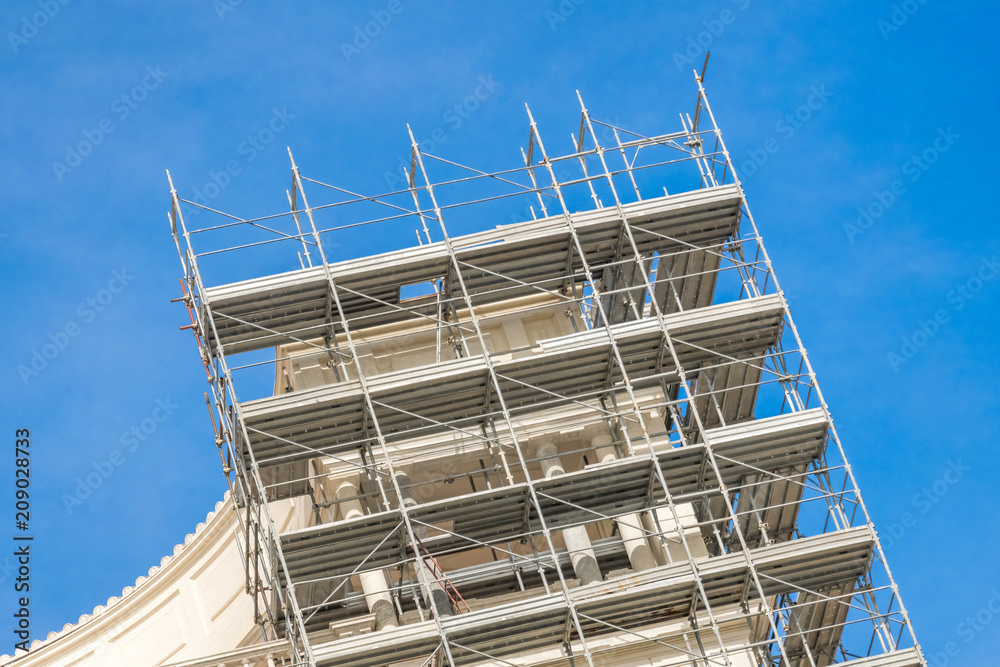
<point>646,374</point>
<point>703,97</point>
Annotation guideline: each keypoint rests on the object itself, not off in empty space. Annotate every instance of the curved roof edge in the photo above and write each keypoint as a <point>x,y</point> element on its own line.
<point>129,593</point>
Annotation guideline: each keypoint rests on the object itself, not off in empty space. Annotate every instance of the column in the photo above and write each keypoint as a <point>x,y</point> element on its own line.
<point>428,580</point>
<point>640,556</point>
<point>581,551</point>
<point>373,582</point>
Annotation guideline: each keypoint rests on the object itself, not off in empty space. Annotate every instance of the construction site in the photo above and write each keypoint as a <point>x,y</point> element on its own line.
<point>589,437</point>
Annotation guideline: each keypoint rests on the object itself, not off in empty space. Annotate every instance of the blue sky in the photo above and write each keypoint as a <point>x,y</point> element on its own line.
<point>182,85</point>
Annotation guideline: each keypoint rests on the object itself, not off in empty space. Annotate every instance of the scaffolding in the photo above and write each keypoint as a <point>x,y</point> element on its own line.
<point>590,434</point>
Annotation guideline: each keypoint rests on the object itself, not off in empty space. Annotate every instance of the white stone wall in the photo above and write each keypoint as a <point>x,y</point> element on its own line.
<point>192,605</point>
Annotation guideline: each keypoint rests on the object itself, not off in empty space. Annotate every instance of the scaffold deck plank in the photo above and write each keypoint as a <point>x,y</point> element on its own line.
<point>534,252</point>
<point>367,542</point>
<point>598,491</point>
<point>816,624</point>
<point>905,658</point>
<point>418,401</point>
<point>409,642</point>
<point>627,601</point>
<point>838,557</point>
<point>773,443</point>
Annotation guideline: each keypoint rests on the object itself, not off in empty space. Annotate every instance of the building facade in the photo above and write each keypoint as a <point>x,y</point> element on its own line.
<point>589,437</point>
